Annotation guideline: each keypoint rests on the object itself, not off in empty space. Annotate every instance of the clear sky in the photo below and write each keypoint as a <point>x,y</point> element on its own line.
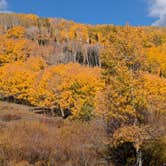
<point>119,12</point>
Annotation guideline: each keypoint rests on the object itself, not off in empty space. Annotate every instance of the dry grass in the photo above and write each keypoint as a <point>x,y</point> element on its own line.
<point>10,117</point>
<point>41,141</point>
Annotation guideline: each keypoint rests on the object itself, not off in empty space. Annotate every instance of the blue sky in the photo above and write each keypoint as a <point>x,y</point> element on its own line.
<point>119,12</point>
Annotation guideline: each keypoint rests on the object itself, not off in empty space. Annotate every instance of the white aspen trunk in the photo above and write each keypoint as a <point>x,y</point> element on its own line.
<point>139,157</point>
<point>62,112</point>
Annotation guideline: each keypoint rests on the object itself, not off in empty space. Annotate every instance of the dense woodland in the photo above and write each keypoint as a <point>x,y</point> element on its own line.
<point>107,82</point>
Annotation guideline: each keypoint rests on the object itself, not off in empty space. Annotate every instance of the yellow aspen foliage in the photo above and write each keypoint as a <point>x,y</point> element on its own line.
<point>32,17</point>
<point>78,32</point>
<point>27,20</point>
<point>62,36</point>
<point>123,101</point>
<point>35,64</point>
<point>69,86</point>
<point>131,134</point>
<point>14,49</point>
<point>155,85</point>
<point>16,32</point>
<point>157,60</point>
<point>16,81</point>
<point>155,88</point>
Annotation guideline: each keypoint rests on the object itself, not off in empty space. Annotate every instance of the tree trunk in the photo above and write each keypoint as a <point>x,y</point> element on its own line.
<point>139,157</point>
<point>62,112</point>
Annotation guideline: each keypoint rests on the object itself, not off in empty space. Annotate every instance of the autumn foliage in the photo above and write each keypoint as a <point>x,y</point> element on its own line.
<point>113,73</point>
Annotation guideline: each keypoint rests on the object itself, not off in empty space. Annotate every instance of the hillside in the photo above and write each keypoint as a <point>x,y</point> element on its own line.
<point>104,82</point>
